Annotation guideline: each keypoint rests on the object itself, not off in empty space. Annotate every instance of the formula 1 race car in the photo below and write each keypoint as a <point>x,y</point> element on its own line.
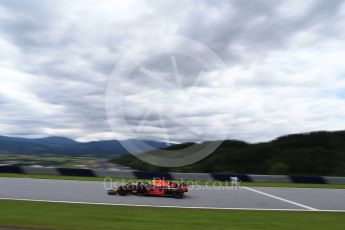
<point>156,188</point>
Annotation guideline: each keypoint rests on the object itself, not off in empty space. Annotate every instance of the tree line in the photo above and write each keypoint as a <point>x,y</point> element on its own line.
<point>316,153</point>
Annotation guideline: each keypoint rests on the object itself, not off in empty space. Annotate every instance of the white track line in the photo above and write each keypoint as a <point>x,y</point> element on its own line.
<point>163,206</point>
<point>282,199</point>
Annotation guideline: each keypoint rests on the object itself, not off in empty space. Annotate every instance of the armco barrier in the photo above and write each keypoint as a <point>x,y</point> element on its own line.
<point>172,176</point>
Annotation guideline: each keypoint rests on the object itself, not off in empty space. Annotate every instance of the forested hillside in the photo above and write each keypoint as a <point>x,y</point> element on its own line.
<point>317,153</point>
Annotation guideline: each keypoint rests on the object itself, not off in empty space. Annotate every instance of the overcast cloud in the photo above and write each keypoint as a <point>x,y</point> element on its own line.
<point>285,70</point>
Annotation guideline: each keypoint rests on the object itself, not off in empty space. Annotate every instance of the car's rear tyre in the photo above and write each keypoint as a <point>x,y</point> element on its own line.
<point>178,194</point>
<point>122,191</point>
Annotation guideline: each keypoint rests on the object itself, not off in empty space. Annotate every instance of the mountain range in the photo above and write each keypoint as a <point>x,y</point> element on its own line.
<point>65,146</point>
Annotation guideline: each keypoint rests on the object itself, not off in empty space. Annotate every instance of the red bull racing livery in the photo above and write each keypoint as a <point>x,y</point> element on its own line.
<point>156,188</point>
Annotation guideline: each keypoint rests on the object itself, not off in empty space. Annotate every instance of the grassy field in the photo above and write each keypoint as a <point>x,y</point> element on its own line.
<point>50,160</point>
<point>250,184</point>
<point>42,215</point>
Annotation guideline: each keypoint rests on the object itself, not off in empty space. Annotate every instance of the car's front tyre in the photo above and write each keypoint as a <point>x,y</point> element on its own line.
<point>178,194</point>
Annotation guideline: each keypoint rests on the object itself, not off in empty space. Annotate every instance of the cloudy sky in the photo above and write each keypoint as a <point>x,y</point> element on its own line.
<point>284,69</point>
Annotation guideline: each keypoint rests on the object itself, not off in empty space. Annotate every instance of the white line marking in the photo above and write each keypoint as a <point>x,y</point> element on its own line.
<point>280,198</point>
<point>166,206</point>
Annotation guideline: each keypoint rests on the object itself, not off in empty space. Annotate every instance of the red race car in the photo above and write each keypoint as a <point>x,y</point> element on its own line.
<point>156,188</point>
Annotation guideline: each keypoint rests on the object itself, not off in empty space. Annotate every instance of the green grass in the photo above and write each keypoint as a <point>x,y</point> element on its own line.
<point>42,215</point>
<point>49,160</point>
<point>249,184</point>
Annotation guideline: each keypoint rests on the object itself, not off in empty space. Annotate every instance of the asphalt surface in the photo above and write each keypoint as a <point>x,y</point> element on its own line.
<point>261,198</point>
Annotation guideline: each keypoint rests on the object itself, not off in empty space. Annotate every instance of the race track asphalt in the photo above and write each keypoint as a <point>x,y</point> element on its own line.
<point>258,198</point>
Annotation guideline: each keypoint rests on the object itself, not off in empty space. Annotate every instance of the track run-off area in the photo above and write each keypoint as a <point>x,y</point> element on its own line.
<point>203,197</point>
